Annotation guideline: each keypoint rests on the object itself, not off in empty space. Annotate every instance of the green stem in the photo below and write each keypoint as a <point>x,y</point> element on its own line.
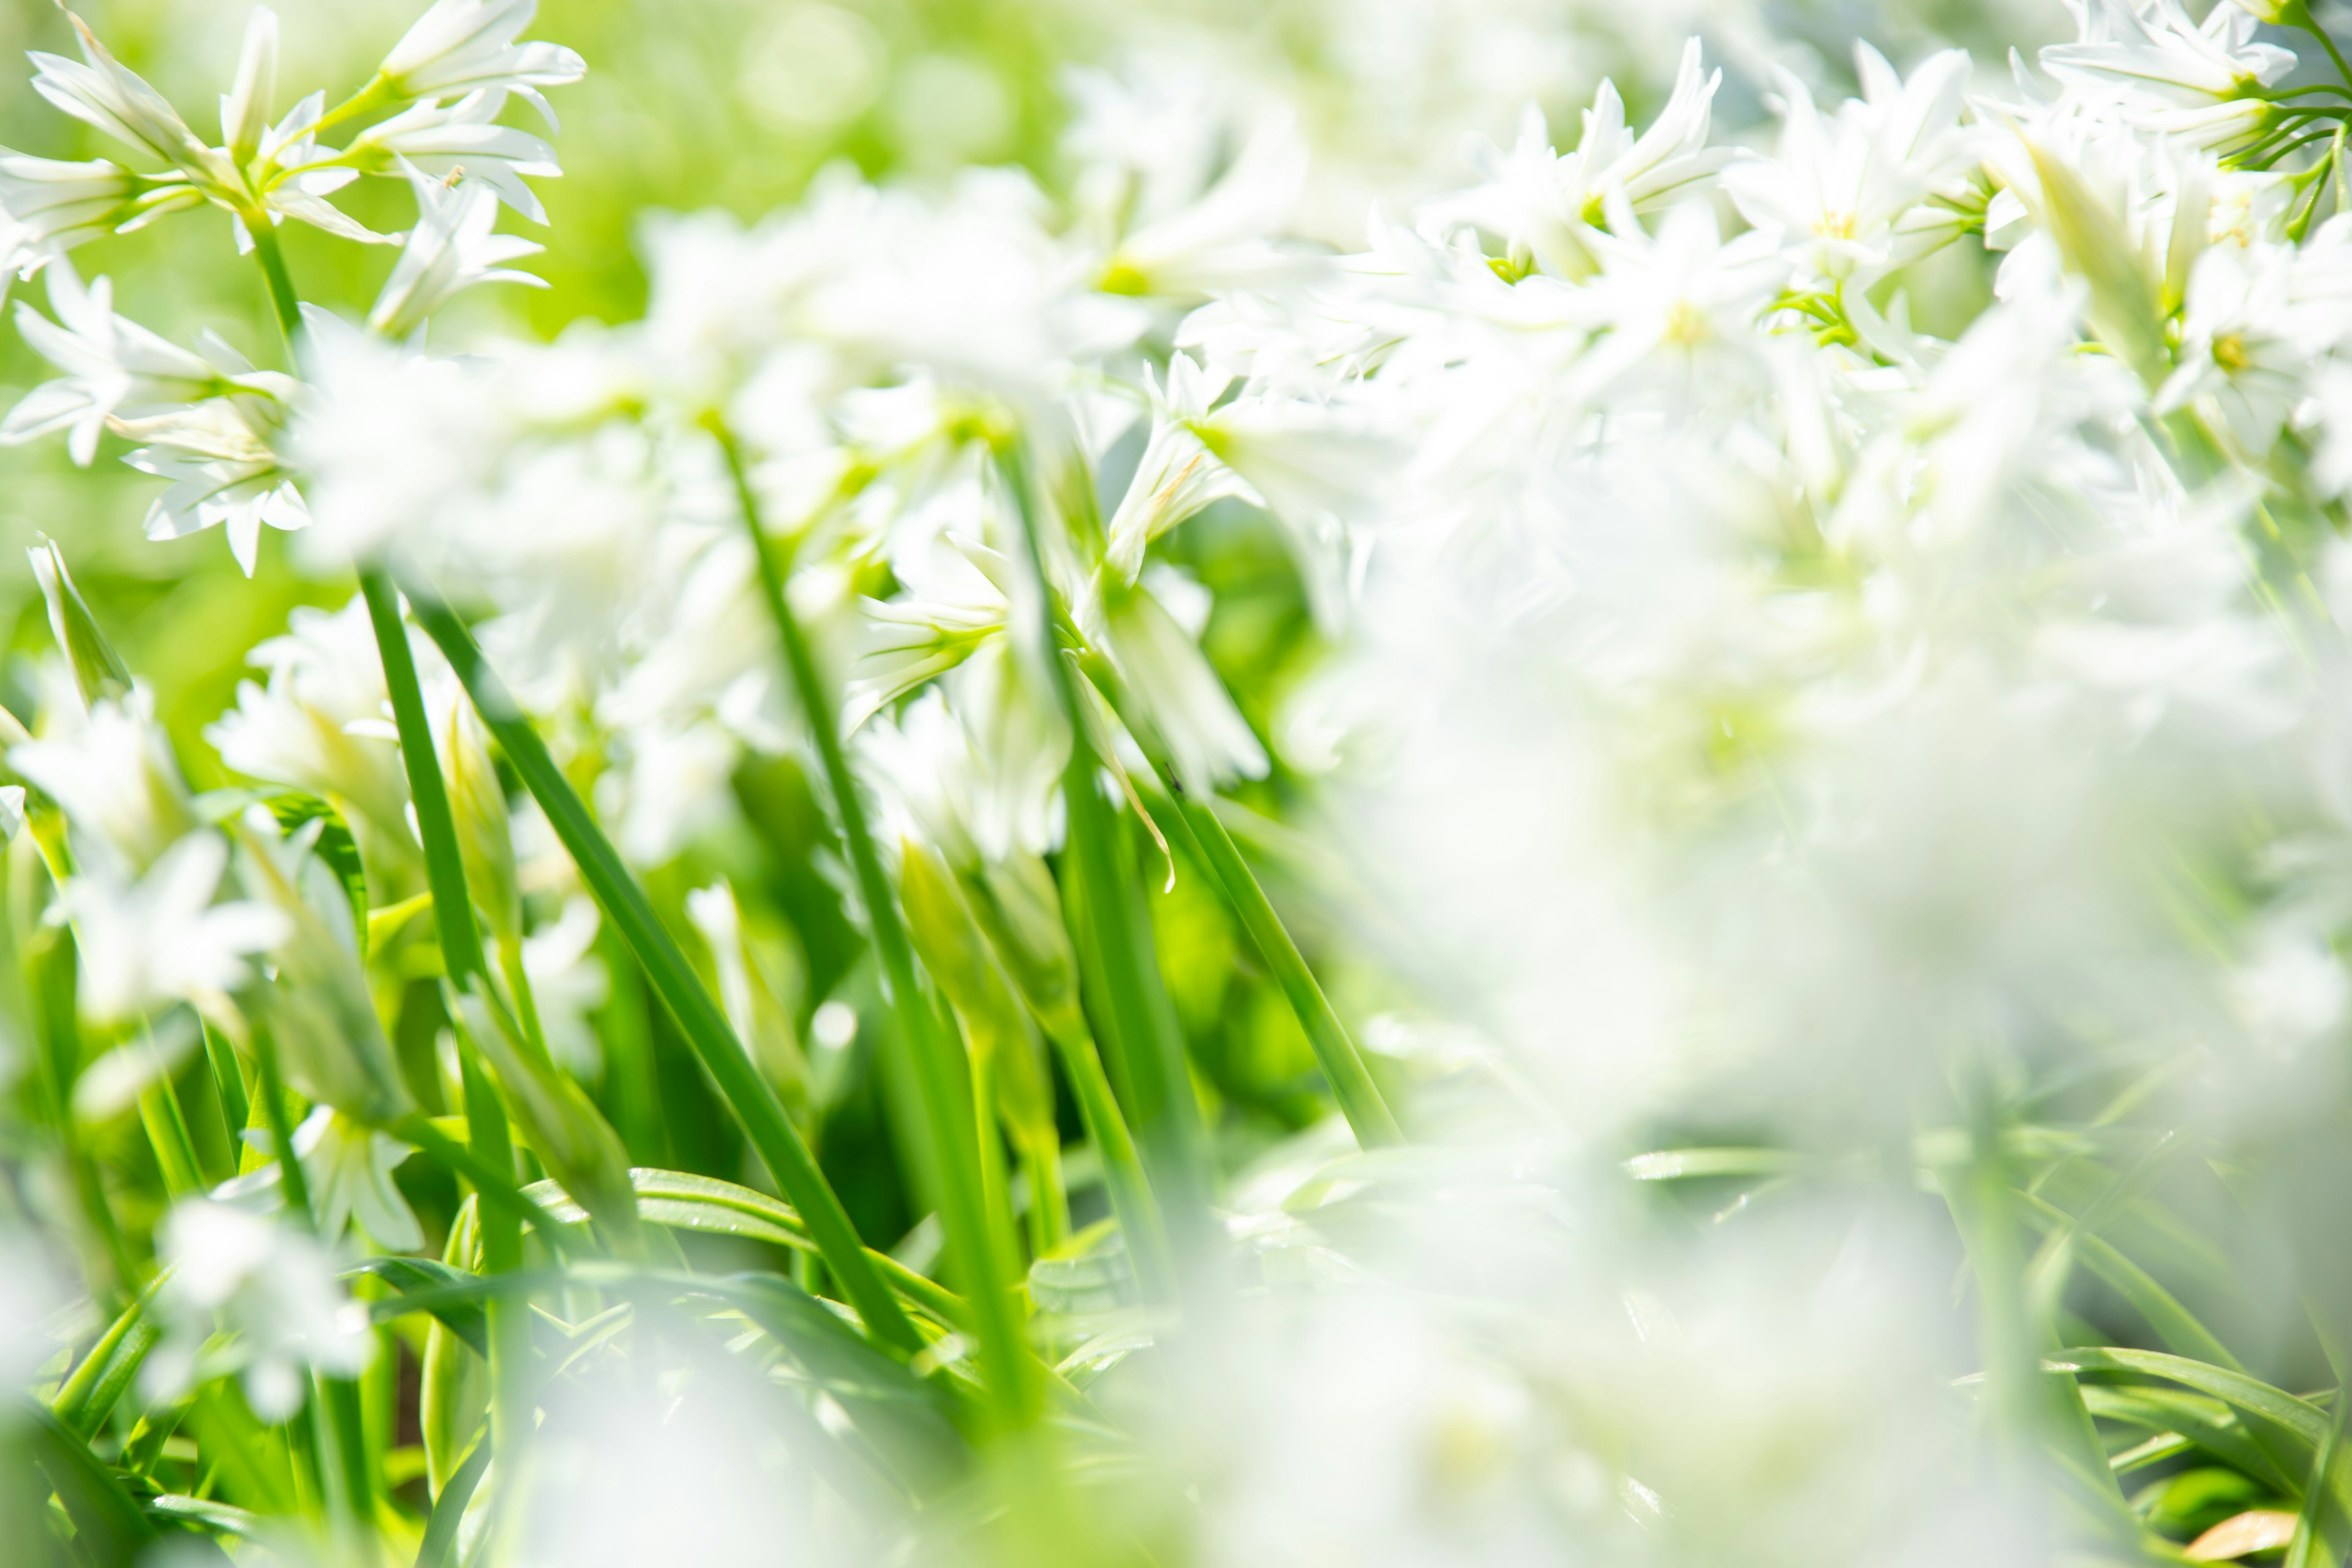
<point>340,1443</point>
<point>748,1094</point>
<point>437,825</point>
<point>282,298</point>
<point>1359,1097</point>
<point>2311,24</point>
<point>1140,1020</point>
<point>979,1232</point>
<point>1131,1201</point>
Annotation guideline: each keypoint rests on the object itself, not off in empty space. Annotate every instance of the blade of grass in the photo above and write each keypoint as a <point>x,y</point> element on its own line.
<point>981,1241</point>
<point>751,1098</point>
<point>1135,1012</point>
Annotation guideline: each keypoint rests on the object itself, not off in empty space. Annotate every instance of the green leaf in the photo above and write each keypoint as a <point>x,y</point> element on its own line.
<point>751,1097</point>
<point>449,1507</point>
<point>107,1525</point>
<point>2203,1420</point>
<point>89,1395</point>
<point>2174,1323</point>
<point>463,1317</point>
<point>704,1204</point>
<point>221,1518</point>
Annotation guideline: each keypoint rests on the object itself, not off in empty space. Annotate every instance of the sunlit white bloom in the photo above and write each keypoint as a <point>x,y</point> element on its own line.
<point>1227,237</point>
<point>49,206</point>
<point>271,1287</point>
<point>396,445</point>
<point>450,249</point>
<point>1541,203</point>
<point>2171,75</point>
<point>162,939</point>
<point>1848,192</point>
<point>1176,476</point>
<point>1177,690</point>
<point>113,773</point>
<point>100,92</point>
<point>954,603</point>
<point>445,141</point>
<point>466,46</point>
<point>1687,296</point>
<point>347,1170</point>
<point>318,725</point>
<point>116,368</point>
<point>223,474</point>
<point>2243,345</point>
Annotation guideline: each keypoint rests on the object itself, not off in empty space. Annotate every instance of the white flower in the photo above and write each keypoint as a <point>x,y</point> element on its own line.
<point>319,725</point>
<point>347,1170</point>
<point>465,46</point>
<point>113,771</point>
<point>223,473</point>
<point>118,102</point>
<point>2243,344</point>
<point>115,367</point>
<point>271,1287</point>
<point>2170,75</point>
<point>1179,694</point>
<point>49,206</point>
<point>1848,194</point>
<point>1540,204</point>
<point>397,446</point>
<point>1177,476</point>
<point>162,940</point>
<point>450,249</point>
<point>445,141</point>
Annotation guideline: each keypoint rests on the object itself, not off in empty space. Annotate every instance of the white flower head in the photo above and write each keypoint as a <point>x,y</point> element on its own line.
<point>100,92</point>
<point>1177,475</point>
<point>48,205</point>
<point>113,773</point>
<point>347,1169</point>
<point>451,248</point>
<point>115,368</point>
<point>445,141</point>
<point>271,1287</point>
<point>2196,82</point>
<point>465,46</point>
<point>149,944</point>
<point>1539,202</point>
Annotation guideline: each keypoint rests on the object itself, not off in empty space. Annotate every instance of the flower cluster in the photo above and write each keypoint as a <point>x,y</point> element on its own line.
<point>1825,677</point>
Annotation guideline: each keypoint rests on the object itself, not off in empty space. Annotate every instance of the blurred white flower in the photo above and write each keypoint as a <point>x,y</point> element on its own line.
<point>162,939</point>
<point>347,1170</point>
<point>49,206</point>
<point>113,773</point>
<point>1541,203</point>
<point>269,1286</point>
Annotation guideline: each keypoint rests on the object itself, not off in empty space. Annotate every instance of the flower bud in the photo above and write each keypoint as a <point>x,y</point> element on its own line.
<point>478,803</point>
<point>952,947</point>
<point>99,672</point>
<point>330,1042</point>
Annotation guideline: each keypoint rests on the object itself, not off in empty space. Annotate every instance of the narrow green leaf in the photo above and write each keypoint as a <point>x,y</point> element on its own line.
<point>751,1097</point>
<point>2306,1420</point>
<point>463,1317</point>
<point>449,1507</point>
<point>107,1525</point>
